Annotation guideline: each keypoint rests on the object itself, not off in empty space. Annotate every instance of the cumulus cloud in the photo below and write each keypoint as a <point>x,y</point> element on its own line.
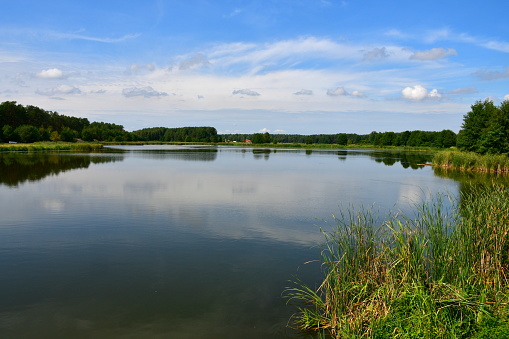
<point>196,61</point>
<point>506,97</point>
<point>304,92</point>
<point>52,73</point>
<point>418,93</point>
<point>246,92</point>
<point>484,74</point>
<point>146,92</point>
<point>337,92</point>
<point>433,54</point>
<point>376,54</point>
<point>263,130</point>
<point>358,94</point>
<point>464,90</point>
<point>60,90</point>
<point>341,91</point>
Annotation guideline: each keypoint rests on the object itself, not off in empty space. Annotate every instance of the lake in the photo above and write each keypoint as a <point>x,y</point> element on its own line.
<point>179,242</point>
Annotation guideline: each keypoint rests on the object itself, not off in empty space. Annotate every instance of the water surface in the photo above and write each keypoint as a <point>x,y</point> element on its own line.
<point>175,242</point>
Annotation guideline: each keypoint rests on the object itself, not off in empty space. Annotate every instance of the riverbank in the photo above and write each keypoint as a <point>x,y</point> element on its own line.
<point>436,274</point>
<point>51,146</point>
<point>469,161</point>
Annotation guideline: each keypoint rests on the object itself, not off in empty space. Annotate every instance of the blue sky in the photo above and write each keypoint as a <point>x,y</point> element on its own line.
<point>301,66</point>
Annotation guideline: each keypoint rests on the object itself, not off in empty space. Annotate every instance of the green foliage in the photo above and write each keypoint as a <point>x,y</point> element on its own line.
<point>27,133</point>
<point>485,128</point>
<point>104,132</point>
<point>342,139</point>
<point>179,134</point>
<point>68,135</point>
<point>445,138</point>
<point>436,274</point>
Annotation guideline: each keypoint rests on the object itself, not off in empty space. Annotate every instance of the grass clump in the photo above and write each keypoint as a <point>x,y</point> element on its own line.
<point>469,161</point>
<point>51,146</point>
<point>438,274</point>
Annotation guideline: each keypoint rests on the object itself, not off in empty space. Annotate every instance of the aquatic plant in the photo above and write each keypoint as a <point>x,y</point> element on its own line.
<point>469,161</point>
<point>441,273</point>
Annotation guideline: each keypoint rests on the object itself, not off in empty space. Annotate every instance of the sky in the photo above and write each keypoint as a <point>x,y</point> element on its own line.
<point>277,66</point>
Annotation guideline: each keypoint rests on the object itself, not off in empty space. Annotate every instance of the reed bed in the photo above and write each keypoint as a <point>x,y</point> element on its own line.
<point>37,147</point>
<point>469,161</point>
<point>441,273</point>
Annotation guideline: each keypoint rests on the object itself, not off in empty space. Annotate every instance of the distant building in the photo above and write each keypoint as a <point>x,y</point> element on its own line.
<point>248,141</point>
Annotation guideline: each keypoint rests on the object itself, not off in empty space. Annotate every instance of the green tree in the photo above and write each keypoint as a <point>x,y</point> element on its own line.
<point>68,134</point>
<point>8,133</point>
<point>342,139</point>
<point>485,128</point>
<point>28,133</point>
<point>475,124</point>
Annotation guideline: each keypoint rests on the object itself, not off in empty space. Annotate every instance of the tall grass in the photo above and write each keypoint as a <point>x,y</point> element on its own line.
<point>437,274</point>
<point>468,161</point>
<point>50,146</point>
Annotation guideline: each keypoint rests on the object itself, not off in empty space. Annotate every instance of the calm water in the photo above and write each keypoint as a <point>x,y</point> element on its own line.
<point>168,242</point>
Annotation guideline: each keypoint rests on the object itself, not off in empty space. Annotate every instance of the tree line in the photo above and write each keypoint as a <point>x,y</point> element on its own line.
<point>30,124</point>
<point>442,139</point>
<point>485,130</point>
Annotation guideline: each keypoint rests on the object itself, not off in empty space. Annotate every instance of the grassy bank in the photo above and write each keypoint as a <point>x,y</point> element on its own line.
<point>468,161</point>
<point>437,274</point>
<point>51,146</point>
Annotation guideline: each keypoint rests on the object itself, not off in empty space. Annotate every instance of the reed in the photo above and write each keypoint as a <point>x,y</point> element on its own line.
<point>50,146</point>
<point>441,273</point>
<point>468,161</point>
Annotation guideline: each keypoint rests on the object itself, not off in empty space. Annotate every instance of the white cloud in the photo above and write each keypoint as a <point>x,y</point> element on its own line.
<point>304,92</point>
<point>246,92</point>
<point>506,97</point>
<point>60,90</point>
<point>52,73</point>
<point>358,94</point>
<point>337,92</point>
<point>434,94</point>
<point>418,93</point>
<point>497,46</point>
<point>263,130</point>
<point>433,54</point>
<point>146,92</point>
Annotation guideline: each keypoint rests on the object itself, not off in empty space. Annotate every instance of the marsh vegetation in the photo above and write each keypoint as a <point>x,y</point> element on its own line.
<point>441,273</point>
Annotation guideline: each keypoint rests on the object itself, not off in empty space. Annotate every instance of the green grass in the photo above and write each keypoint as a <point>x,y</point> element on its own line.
<point>468,161</point>
<point>437,274</point>
<point>51,146</point>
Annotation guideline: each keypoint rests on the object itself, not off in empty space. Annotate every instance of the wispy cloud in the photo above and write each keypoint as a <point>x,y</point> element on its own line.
<point>464,90</point>
<point>304,92</point>
<point>246,92</point>
<point>485,74</point>
<point>75,36</point>
<point>146,92</point>
<point>60,90</point>
<point>433,54</point>
<point>376,54</point>
<point>339,91</point>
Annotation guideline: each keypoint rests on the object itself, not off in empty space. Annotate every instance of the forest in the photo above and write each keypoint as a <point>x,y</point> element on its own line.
<point>28,124</point>
<point>485,130</point>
